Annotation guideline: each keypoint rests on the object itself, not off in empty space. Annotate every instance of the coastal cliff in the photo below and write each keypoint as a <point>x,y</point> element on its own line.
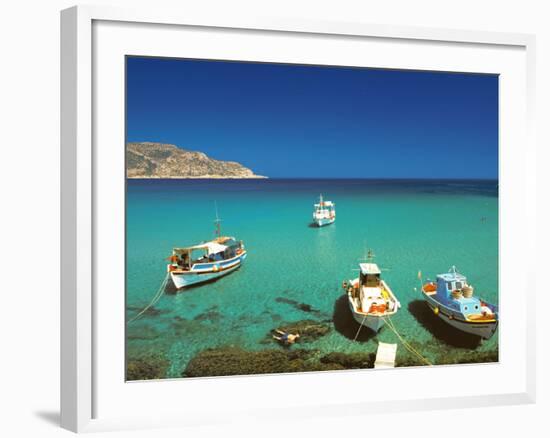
<point>158,160</point>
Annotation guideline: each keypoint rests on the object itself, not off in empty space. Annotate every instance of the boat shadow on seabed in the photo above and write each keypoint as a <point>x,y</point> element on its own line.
<point>346,325</point>
<point>439,329</point>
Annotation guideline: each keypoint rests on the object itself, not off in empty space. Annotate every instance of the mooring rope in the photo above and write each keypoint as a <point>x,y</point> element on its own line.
<point>155,299</point>
<point>359,329</point>
<point>408,346</point>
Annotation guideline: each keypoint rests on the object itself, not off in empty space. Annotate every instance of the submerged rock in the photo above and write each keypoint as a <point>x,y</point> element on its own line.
<point>229,361</point>
<point>182,327</point>
<point>143,333</point>
<point>151,311</point>
<point>468,357</point>
<point>308,329</point>
<point>350,360</point>
<point>211,314</point>
<point>408,360</point>
<point>154,366</point>
<point>304,307</point>
<point>448,357</point>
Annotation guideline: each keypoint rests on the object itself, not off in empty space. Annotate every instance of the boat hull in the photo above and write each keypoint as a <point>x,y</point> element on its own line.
<point>484,330</point>
<point>323,222</point>
<point>207,272</point>
<point>373,322</point>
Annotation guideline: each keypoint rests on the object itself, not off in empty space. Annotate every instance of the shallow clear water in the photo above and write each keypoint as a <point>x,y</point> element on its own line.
<point>411,226</point>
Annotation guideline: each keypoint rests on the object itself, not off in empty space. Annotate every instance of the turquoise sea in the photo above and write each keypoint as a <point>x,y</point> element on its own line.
<point>294,271</point>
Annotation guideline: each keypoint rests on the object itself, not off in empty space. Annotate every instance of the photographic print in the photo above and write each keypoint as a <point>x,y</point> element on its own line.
<point>287,218</point>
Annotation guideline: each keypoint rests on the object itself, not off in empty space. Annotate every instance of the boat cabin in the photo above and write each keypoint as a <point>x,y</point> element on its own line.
<point>207,252</point>
<point>370,275</point>
<point>324,204</point>
<point>326,207</point>
<point>450,288</point>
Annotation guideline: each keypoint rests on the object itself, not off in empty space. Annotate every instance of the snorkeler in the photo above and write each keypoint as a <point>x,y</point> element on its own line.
<point>286,338</point>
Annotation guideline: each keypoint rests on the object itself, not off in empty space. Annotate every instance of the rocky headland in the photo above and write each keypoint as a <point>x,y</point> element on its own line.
<point>168,161</point>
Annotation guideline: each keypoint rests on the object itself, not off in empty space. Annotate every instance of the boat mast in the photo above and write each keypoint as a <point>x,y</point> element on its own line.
<point>370,256</point>
<point>217,221</point>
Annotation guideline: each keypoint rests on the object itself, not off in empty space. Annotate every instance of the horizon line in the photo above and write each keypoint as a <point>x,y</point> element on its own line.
<point>384,178</point>
<point>403,178</point>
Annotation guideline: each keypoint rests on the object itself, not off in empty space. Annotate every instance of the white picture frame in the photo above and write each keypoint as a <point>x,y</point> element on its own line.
<point>84,174</point>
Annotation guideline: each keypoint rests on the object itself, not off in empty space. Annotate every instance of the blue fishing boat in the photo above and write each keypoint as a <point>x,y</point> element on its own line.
<point>324,213</point>
<point>451,299</point>
<point>206,261</point>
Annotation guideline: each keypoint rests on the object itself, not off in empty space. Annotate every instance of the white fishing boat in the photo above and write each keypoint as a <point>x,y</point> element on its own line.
<point>206,261</point>
<point>324,212</point>
<point>369,296</point>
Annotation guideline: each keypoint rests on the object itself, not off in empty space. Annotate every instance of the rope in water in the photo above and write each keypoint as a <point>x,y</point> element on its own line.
<point>408,346</point>
<point>359,329</point>
<point>392,327</point>
<point>155,299</point>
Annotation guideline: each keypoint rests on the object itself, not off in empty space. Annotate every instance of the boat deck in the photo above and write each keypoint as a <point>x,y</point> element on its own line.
<point>481,318</point>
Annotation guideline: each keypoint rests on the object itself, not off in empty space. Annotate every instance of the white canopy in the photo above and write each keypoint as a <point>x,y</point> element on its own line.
<point>369,268</point>
<point>211,247</point>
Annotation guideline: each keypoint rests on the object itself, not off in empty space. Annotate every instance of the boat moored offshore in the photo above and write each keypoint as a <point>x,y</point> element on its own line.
<point>370,298</point>
<point>324,212</point>
<point>451,299</point>
<point>205,261</point>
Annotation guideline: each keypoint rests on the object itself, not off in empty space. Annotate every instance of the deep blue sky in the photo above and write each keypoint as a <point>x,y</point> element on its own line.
<point>310,121</point>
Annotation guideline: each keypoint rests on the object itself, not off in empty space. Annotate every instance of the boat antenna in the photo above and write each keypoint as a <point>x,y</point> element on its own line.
<point>217,221</point>
<point>368,257</point>
<point>419,275</point>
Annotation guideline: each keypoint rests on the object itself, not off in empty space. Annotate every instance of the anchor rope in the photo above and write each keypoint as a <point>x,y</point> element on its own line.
<point>359,329</point>
<point>155,299</point>
<point>408,346</point>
